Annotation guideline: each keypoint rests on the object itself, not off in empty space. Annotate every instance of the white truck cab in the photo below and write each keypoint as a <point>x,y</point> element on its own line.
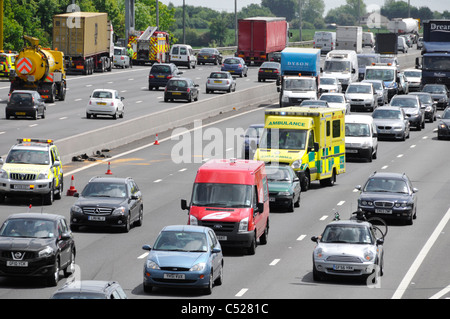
<point>295,89</point>
<point>342,64</point>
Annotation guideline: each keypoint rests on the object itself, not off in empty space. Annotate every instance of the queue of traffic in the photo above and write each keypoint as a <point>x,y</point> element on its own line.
<point>232,198</point>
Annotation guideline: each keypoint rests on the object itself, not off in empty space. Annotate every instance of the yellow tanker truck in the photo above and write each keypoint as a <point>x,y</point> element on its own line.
<point>41,70</point>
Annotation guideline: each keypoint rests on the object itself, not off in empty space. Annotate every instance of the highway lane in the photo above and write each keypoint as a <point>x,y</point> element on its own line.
<point>67,118</point>
<point>282,268</point>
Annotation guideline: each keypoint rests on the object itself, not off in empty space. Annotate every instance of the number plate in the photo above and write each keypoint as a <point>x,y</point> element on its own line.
<point>101,103</point>
<point>342,267</point>
<point>217,81</point>
<point>97,218</point>
<point>20,113</point>
<point>174,276</point>
<point>160,76</point>
<point>223,238</point>
<point>383,211</point>
<point>15,263</point>
<point>176,93</point>
<point>268,71</point>
<point>21,186</point>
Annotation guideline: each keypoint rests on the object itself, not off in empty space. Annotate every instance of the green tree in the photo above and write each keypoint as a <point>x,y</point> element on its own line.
<point>282,8</point>
<point>218,29</point>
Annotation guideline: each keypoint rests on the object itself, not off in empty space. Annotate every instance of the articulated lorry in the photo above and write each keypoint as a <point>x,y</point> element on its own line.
<point>86,38</point>
<point>435,58</point>
<point>310,140</point>
<point>260,36</point>
<point>299,72</point>
<point>40,70</point>
<point>404,26</point>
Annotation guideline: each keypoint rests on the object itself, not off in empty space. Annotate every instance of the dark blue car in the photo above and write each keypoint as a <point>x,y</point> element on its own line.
<point>251,140</point>
<point>236,66</point>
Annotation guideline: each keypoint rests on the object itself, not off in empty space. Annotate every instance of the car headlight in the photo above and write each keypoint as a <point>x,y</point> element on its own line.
<point>284,193</point>
<point>243,225</point>
<point>368,255</point>
<point>119,211</point>
<point>319,252</point>
<point>392,85</point>
<point>193,220</point>
<point>43,175</point>
<point>296,164</point>
<point>398,128</point>
<point>442,126</point>
<point>198,267</point>
<point>367,203</point>
<point>428,109</point>
<point>76,209</point>
<point>152,265</point>
<point>46,252</point>
<point>3,173</point>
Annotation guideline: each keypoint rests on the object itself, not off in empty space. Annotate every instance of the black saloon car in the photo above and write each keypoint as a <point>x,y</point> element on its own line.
<point>388,195</point>
<point>269,71</point>
<point>90,289</point>
<point>209,55</point>
<point>440,94</point>
<point>24,103</point>
<point>444,124</point>
<point>161,73</point>
<point>181,89</point>
<point>428,105</point>
<point>36,245</point>
<point>108,201</point>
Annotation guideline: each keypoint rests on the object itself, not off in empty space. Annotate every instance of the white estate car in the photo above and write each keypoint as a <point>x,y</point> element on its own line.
<point>336,100</point>
<point>105,102</point>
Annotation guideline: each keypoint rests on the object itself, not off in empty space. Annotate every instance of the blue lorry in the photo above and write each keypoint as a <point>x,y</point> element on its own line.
<point>435,53</point>
<point>300,70</point>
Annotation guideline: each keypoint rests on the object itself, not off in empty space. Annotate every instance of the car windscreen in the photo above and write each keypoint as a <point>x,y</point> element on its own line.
<point>378,184</point>
<point>404,102</point>
<point>300,84</point>
<point>434,89</point>
<point>19,156</point>
<point>289,139</point>
<point>332,98</point>
<point>104,189</point>
<point>362,89</point>
<point>337,66</point>
<point>328,81</point>
<point>446,114</point>
<point>347,234</point>
<point>276,174</point>
<point>185,241</point>
<point>386,114</point>
<point>380,74</point>
<point>28,227</point>
<point>222,195</point>
<point>357,130</point>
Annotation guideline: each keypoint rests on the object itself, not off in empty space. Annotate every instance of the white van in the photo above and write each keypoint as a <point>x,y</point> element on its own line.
<point>361,137</point>
<point>325,41</point>
<point>182,55</point>
<point>368,39</point>
<point>343,65</point>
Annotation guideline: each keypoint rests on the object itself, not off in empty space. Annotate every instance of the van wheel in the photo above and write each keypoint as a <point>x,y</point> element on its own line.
<point>252,249</point>
<point>265,235</point>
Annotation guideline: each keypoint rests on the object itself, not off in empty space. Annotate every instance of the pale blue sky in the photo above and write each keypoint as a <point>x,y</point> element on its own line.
<point>228,5</point>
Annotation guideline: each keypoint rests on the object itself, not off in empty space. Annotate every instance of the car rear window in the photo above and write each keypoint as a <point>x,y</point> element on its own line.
<point>160,69</point>
<point>177,83</point>
<point>217,75</point>
<point>102,94</point>
<point>232,61</point>
<point>21,98</point>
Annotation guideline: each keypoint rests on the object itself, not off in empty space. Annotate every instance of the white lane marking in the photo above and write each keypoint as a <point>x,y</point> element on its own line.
<point>384,167</point>
<point>301,237</point>
<point>63,118</point>
<point>32,125</point>
<point>241,292</point>
<point>341,203</point>
<point>323,217</point>
<point>412,146</point>
<point>157,181</point>
<point>274,262</point>
<point>182,170</point>
<point>441,293</point>
<point>400,155</point>
<point>420,257</point>
<point>78,100</point>
<point>137,102</point>
<point>143,256</point>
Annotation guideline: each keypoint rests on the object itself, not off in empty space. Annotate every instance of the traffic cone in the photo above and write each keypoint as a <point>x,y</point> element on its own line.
<point>72,189</point>
<point>156,140</point>
<point>108,172</point>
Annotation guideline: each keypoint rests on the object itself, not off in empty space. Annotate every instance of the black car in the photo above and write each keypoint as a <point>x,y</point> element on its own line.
<point>25,103</point>
<point>209,55</point>
<point>36,245</point>
<point>269,71</point>
<point>444,124</point>
<point>90,289</point>
<point>428,105</point>
<point>439,92</point>
<point>161,73</point>
<point>388,195</point>
<point>275,57</point>
<point>181,89</point>
<point>284,187</point>
<point>108,201</point>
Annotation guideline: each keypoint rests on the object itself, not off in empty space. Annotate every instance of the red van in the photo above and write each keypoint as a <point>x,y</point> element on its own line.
<point>231,196</point>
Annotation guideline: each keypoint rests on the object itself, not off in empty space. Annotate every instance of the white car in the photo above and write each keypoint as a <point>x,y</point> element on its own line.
<point>330,84</point>
<point>413,77</point>
<point>336,100</point>
<point>361,96</point>
<point>105,102</point>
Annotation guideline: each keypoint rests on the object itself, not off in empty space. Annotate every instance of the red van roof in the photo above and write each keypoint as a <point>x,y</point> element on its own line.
<point>228,171</point>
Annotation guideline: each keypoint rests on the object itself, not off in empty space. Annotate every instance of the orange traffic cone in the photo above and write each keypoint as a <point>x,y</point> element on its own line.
<point>156,140</point>
<point>108,172</point>
<point>72,189</point>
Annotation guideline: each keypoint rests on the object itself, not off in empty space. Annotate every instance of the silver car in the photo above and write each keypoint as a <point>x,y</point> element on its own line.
<point>391,122</point>
<point>380,89</point>
<point>220,81</point>
<point>121,58</point>
<point>348,248</point>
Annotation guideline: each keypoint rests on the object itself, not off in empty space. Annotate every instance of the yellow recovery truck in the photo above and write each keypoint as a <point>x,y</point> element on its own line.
<point>310,140</point>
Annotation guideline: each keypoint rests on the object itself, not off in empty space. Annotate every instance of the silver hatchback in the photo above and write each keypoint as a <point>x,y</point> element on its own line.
<point>391,122</point>
<point>348,248</point>
<point>220,81</point>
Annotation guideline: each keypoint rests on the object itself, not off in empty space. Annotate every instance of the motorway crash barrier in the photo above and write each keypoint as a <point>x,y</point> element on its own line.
<point>128,131</point>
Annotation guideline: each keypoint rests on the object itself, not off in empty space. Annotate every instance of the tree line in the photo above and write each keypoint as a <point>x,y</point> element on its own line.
<point>203,26</point>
